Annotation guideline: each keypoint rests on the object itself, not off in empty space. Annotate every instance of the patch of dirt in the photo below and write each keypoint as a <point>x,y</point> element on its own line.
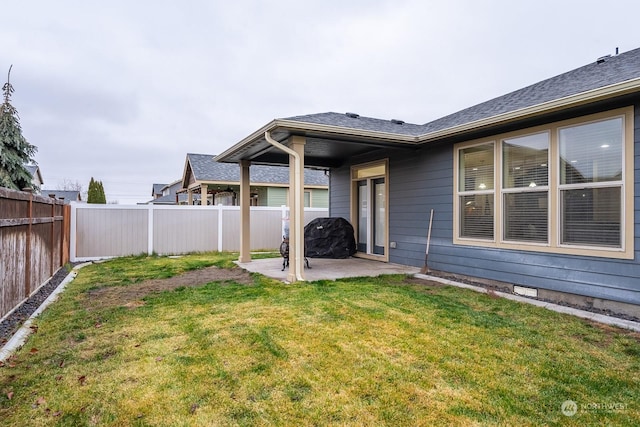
<point>131,295</point>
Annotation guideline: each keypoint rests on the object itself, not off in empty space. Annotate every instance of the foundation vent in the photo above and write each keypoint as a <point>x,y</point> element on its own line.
<point>524,291</point>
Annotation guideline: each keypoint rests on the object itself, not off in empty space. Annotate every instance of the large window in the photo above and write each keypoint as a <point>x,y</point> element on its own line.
<point>566,186</point>
<point>591,183</point>
<point>525,188</point>
<point>476,190</point>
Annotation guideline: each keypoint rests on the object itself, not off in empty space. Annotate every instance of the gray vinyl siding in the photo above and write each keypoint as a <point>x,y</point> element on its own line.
<point>418,182</point>
<point>339,193</point>
<point>423,180</point>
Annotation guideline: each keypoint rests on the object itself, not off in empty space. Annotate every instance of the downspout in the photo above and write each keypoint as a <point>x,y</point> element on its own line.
<point>299,243</point>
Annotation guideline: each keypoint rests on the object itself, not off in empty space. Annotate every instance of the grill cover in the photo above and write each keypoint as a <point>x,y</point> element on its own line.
<point>329,238</point>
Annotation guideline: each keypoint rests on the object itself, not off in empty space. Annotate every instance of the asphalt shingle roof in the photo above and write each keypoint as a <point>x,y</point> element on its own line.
<point>157,188</point>
<point>359,122</point>
<point>67,195</point>
<point>205,168</point>
<point>598,74</point>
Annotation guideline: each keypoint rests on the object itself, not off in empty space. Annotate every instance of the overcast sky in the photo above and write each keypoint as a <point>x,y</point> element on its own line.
<point>122,90</point>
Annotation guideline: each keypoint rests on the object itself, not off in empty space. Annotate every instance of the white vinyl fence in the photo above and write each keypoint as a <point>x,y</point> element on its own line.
<point>103,231</point>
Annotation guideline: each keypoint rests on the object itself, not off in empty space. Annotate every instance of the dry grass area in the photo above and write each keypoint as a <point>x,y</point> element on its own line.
<point>192,341</point>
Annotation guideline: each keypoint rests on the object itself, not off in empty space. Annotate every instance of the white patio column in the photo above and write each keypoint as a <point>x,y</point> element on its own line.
<point>204,188</point>
<point>190,197</point>
<point>245,212</point>
<point>296,209</point>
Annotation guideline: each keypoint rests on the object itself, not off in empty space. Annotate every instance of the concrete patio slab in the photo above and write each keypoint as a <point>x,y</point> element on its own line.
<point>328,269</point>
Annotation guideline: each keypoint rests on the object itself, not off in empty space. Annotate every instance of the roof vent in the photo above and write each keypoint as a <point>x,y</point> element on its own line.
<point>352,115</point>
<point>398,122</point>
<point>602,59</point>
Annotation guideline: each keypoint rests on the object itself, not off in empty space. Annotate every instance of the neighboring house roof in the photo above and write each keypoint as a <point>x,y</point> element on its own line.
<point>157,190</point>
<point>204,168</point>
<point>67,196</point>
<point>334,136</point>
<point>34,171</point>
<point>173,187</point>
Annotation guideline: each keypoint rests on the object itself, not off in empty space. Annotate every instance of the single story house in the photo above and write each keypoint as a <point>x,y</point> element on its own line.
<point>538,188</point>
<point>269,184</point>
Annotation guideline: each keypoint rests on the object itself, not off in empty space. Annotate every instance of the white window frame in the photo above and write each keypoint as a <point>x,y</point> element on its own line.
<point>554,245</point>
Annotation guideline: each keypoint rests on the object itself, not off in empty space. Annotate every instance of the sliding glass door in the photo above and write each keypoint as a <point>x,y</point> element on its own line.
<point>371,205</point>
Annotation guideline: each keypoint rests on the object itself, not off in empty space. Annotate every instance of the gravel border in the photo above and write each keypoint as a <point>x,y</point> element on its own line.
<point>10,325</point>
<point>469,281</point>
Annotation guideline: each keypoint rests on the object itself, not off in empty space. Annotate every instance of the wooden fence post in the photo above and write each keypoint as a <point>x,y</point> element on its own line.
<point>27,273</point>
<point>53,236</point>
<point>65,231</point>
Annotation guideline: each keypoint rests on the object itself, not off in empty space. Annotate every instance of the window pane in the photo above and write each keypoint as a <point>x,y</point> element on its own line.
<point>526,161</point>
<point>591,152</point>
<point>380,219</point>
<point>476,168</point>
<point>476,216</point>
<point>377,170</point>
<point>526,216</point>
<point>592,216</point>
<point>363,214</point>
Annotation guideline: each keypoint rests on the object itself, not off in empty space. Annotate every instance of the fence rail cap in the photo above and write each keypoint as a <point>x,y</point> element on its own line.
<point>6,193</point>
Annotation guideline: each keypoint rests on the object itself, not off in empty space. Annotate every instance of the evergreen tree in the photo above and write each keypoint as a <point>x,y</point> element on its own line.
<point>101,196</point>
<point>15,151</point>
<point>96,192</point>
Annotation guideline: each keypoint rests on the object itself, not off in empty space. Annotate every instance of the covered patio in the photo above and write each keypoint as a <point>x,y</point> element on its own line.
<point>328,269</point>
<point>323,141</point>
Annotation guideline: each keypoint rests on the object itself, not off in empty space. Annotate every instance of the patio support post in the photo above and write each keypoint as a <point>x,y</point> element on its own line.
<point>204,188</point>
<point>296,207</point>
<point>190,197</point>
<point>245,212</point>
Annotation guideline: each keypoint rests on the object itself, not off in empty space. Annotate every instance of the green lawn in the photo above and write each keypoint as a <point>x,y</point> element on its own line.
<point>251,351</point>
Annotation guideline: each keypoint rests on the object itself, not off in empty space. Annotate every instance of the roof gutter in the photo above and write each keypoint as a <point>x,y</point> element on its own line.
<point>297,203</point>
<point>602,93</point>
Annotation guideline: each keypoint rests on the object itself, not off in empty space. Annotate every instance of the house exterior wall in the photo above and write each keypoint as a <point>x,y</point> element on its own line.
<point>277,196</point>
<point>423,180</point>
<point>319,198</point>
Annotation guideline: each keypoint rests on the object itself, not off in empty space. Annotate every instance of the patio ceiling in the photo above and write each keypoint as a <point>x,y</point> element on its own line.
<point>323,149</point>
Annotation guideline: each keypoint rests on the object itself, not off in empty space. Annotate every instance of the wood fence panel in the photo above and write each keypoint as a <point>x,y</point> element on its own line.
<point>12,267</point>
<point>31,245</point>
